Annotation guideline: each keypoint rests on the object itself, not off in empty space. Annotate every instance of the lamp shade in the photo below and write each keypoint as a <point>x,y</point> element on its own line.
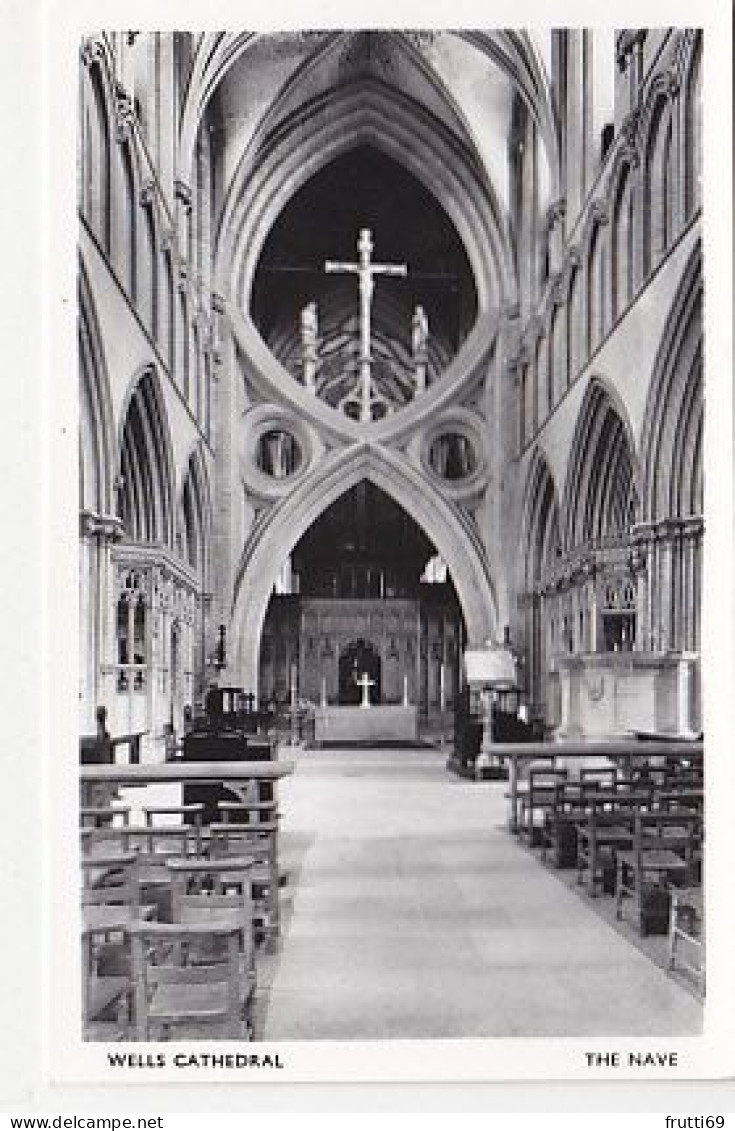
<point>490,667</point>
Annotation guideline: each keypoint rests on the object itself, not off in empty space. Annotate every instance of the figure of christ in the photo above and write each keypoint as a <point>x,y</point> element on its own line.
<point>366,271</point>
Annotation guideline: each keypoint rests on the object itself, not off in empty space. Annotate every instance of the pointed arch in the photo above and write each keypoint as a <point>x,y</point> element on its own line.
<point>128,252</point>
<point>623,214</point>
<point>96,436</point>
<point>540,524</point>
<point>671,437</point>
<point>194,528</point>
<point>95,133</point>
<point>693,128</point>
<point>270,542</point>
<point>659,182</point>
<point>601,491</point>
<point>370,113</point>
<point>540,539</point>
<point>145,464</point>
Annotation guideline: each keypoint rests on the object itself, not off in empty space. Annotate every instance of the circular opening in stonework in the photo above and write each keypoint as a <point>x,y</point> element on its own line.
<point>278,453</point>
<point>452,456</point>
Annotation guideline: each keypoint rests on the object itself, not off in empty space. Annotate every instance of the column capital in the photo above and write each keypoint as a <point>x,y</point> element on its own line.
<point>106,527</point>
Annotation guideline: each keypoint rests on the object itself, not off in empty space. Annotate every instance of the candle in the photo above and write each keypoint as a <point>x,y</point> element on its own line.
<point>405,690</point>
<point>442,690</point>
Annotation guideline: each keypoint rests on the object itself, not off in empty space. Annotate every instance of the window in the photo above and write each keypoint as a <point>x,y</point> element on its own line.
<point>131,635</point>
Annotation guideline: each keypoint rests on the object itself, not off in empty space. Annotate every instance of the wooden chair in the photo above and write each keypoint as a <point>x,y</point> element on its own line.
<point>559,831</point>
<point>540,797</point>
<point>175,995</point>
<point>686,926</point>
<point>190,816</point>
<point>217,891</point>
<point>570,809</point>
<point>259,841</point>
<point>155,847</point>
<point>111,901</point>
<point>99,816</point>
<point>605,829</point>
<point>661,857</point>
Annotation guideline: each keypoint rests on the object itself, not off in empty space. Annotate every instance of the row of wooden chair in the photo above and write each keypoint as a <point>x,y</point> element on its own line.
<point>170,918</point>
<point>636,835</point>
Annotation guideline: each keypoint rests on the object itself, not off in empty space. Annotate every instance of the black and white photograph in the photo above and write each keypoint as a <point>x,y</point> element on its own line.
<point>390,707</point>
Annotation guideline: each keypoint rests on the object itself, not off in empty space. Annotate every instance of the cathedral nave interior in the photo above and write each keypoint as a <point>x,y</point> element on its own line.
<point>391,412</point>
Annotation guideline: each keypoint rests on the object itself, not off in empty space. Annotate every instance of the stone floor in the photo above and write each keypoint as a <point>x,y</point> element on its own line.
<point>411,913</point>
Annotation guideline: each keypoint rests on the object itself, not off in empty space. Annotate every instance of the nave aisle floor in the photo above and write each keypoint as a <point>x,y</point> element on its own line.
<point>411,913</point>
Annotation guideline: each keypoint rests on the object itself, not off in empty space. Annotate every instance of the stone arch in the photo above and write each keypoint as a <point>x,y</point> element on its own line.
<point>367,113</point>
<point>540,539</point>
<point>96,134</point>
<point>97,440</point>
<point>540,523</point>
<point>623,217</point>
<point>145,467</point>
<point>692,124</point>
<point>194,531</point>
<point>601,490</point>
<point>513,52</point>
<point>671,436</point>
<point>451,532</point>
<point>659,180</point>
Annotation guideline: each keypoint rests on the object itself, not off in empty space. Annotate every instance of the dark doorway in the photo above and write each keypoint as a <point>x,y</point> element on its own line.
<point>358,658</point>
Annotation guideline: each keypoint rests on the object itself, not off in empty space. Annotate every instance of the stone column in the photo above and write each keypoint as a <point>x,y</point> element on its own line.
<point>98,533</point>
<point>224,543</point>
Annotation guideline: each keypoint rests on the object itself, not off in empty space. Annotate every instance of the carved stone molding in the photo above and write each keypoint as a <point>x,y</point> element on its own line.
<point>626,43</point>
<point>666,82</point>
<point>598,213</point>
<point>630,135</point>
<point>106,527</point>
<point>148,193</point>
<point>124,113</point>
<point>558,289</point>
<point>182,192</point>
<point>556,213</point>
<point>182,278</point>
<point>533,330</point>
<point>92,51</point>
<point>168,239</point>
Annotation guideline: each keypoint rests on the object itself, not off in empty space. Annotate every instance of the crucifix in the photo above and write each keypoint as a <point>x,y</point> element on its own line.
<point>365,682</point>
<point>365,271</point>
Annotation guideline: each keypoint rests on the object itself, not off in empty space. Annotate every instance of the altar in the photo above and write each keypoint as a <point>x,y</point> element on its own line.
<point>615,694</point>
<point>377,723</point>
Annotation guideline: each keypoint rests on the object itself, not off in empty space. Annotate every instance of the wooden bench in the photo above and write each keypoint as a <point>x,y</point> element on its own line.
<point>661,856</point>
